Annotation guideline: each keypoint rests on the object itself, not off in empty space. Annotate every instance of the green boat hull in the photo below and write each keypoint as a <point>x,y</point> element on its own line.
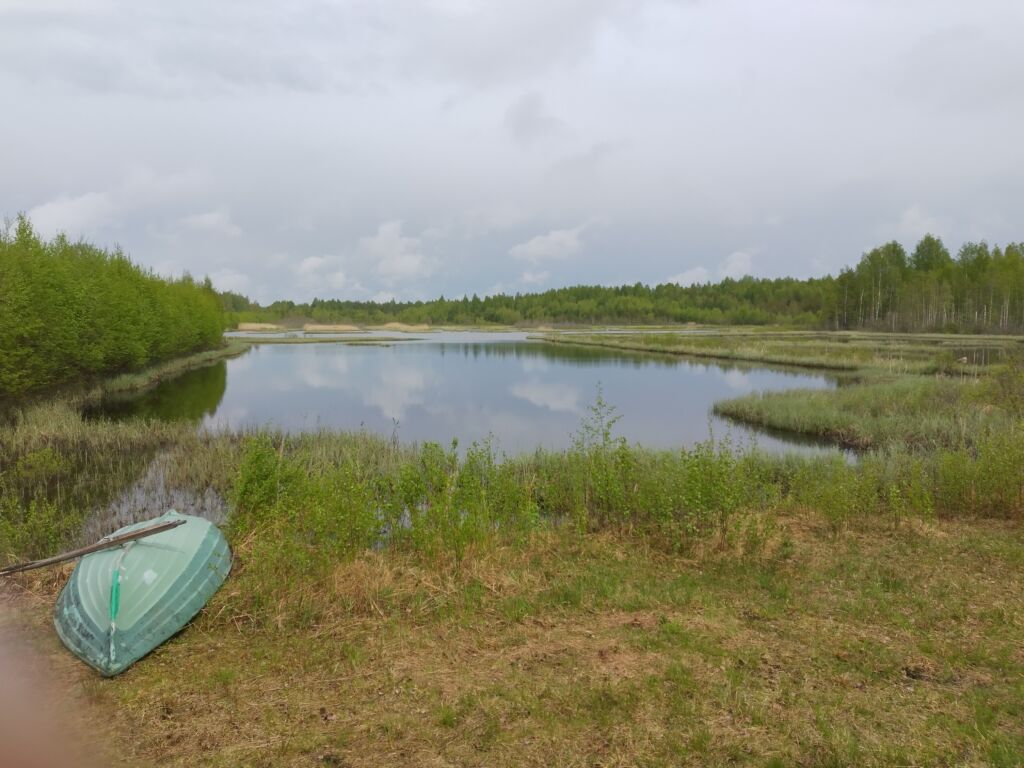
<point>121,603</point>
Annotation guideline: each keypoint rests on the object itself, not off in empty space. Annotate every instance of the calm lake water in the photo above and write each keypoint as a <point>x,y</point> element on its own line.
<point>468,386</point>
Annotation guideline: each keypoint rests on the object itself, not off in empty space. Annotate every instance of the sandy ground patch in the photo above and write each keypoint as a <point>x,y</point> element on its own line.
<point>328,328</point>
<point>405,327</point>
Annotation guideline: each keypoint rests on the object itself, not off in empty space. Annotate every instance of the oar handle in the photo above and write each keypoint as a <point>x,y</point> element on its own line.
<point>106,543</point>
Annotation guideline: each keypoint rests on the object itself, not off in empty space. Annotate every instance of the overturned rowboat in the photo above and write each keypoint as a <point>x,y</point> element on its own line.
<point>121,603</point>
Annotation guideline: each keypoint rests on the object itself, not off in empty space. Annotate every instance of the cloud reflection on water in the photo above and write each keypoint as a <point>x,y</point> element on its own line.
<point>550,395</point>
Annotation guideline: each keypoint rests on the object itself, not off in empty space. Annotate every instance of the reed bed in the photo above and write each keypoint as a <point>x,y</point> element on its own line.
<point>607,604</point>
<point>840,351</point>
<point>716,603</point>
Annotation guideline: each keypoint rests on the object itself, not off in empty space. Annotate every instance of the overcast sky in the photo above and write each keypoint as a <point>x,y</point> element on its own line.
<point>396,148</point>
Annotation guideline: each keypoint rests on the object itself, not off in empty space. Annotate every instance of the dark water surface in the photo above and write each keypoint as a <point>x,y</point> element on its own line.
<point>468,387</point>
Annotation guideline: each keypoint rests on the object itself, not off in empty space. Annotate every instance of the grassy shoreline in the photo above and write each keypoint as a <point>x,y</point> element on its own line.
<point>609,604</point>
<point>684,350</point>
<point>125,383</point>
<point>150,377</point>
<point>895,354</point>
<point>605,605</point>
<point>357,342</point>
<point>916,392</point>
<point>912,412</point>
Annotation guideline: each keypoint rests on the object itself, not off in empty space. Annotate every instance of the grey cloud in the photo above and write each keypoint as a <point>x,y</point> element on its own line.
<point>482,43</point>
<point>959,69</point>
<point>363,148</point>
<point>198,47</point>
<point>589,160</point>
<point>528,120</point>
<point>553,246</point>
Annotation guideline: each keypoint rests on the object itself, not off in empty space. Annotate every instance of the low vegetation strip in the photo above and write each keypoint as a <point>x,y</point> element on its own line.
<point>153,375</point>
<point>908,392</point>
<point>422,603</point>
<point>70,311</point>
<point>348,493</point>
<point>840,351</point>
<point>678,345</point>
<point>981,290</point>
<point>607,603</point>
<point>914,412</point>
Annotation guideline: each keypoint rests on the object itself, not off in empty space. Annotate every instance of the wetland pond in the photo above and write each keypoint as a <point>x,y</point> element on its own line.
<point>520,394</point>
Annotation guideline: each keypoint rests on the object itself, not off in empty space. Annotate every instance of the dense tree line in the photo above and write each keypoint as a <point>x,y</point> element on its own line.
<point>69,310</point>
<point>745,301</point>
<point>982,289</point>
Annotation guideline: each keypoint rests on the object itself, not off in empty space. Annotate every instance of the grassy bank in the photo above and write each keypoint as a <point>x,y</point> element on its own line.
<point>847,351</point>
<point>56,466</point>
<point>603,605</point>
<point>150,377</point>
<point>351,342</point>
<point>912,412</point>
<point>89,391</point>
<point>917,392</point>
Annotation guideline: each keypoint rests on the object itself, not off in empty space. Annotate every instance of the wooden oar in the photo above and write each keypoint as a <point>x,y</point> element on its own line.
<point>105,543</point>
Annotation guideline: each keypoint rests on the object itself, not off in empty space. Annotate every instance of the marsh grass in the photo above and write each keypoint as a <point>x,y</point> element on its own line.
<point>304,505</point>
<point>150,377</point>
<point>914,412</point>
<point>57,467</point>
<point>839,351</point>
<point>606,605</point>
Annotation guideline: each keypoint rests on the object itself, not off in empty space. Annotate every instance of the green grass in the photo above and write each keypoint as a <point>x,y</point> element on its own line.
<point>606,605</point>
<point>840,351</point>
<point>912,412</point>
<point>150,377</point>
<point>815,650</point>
<point>904,391</point>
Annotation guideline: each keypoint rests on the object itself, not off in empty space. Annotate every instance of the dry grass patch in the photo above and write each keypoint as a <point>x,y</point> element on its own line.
<point>259,327</point>
<point>873,647</point>
<point>417,327</point>
<point>328,328</point>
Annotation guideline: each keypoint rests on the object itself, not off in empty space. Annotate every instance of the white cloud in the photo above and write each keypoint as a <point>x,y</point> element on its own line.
<point>398,389</point>
<point>737,380</point>
<point>691,277</point>
<point>317,274</point>
<point>396,257</point>
<point>55,6</point>
<point>312,264</point>
<point>325,372</point>
<point>736,265</point>
<point>555,245</point>
<point>84,214</point>
<point>314,122</point>
<point>497,289</point>
<point>228,279</point>
<point>915,222</point>
<point>534,278</point>
<point>217,222</point>
<point>554,397</point>
<point>337,280</point>
<point>138,190</point>
<point>528,121</point>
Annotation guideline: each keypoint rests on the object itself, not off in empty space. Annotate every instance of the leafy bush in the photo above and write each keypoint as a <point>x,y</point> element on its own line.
<point>69,310</point>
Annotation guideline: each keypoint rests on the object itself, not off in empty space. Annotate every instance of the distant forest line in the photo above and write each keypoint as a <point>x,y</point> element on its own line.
<point>980,290</point>
<point>69,310</point>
